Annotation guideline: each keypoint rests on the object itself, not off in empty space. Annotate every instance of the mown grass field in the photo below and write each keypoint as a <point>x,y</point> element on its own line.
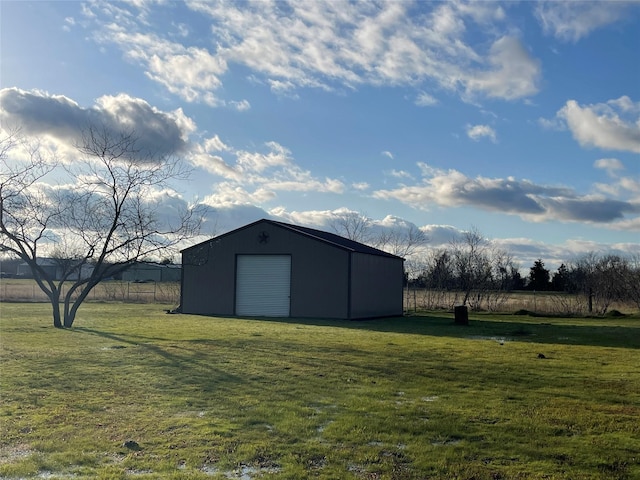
<point>131,392</point>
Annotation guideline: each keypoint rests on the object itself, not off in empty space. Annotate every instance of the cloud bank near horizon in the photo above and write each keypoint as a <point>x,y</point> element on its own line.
<point>530,201</point>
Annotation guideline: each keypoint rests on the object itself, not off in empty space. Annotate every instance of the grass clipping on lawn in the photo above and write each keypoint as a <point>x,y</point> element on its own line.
<point>131,392</point>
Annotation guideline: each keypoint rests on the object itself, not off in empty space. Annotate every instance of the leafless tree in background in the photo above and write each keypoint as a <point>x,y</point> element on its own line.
<point>603,279</point>
<point>471,264</point>
<point>352,225</point>
<point>632,282</point>
<point>402,242</point>
<point>471,271</point>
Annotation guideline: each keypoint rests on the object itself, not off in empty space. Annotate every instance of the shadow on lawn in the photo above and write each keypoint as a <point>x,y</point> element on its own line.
<point>193,365</point>
<point>512,328</point>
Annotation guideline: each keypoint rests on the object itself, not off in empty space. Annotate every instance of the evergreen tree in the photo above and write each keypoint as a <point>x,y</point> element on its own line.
<point>560,280</point>
<point>538,276</point>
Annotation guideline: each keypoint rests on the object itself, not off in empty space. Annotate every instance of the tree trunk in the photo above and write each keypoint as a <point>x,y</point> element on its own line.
<point>70,309</point>
<point>69,317</point>
<point>55,305</point>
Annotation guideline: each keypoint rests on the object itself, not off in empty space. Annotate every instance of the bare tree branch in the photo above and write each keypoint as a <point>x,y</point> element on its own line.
<point>106,221</point>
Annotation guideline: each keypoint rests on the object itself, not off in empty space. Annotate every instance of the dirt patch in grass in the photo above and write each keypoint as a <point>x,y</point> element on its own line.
<point>14,453</point>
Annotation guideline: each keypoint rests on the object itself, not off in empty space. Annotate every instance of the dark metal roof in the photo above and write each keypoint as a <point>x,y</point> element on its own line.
<point>319,235</point>
<point>334,239</point>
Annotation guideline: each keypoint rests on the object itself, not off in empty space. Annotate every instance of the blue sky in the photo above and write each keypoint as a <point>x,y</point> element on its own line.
<point>519,119</point>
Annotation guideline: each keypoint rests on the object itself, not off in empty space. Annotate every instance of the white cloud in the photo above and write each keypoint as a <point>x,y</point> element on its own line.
<point>69,22</point>
<point>527,251</point>
<point>611,165</point>
<point>477,132</point>
<point>244,174</point>
<point>62,119</point>
<point>388,154</point>
<point>440,235</point>
<point>329,45</point>
<point>524,250</point>
<point>630,185</point>
<point>630,225</point>
<point>241,106</point>
<point>227,194</point>
<point>183,29</point>
<point>426,100</point>
<point>538,203</point>
<point>256,162</point>
<point>622,185</point>
<point>192,73</point>
<point>214,164</point>
<point>614,125</point>
<point>311,218</point>
<point>512,74</point>
<point>573,20</point>
<point>214,144</point>
<point>400,174</point>
<point>552,124</point>
<point>256,176</point>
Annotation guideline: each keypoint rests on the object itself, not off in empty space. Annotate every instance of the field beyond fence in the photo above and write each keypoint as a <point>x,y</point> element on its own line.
<point>415,300</point>
<point>543,303</point>
<point>22,290</point>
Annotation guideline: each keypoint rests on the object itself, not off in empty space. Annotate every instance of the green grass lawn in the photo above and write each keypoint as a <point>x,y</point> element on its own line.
<point>403,398</point>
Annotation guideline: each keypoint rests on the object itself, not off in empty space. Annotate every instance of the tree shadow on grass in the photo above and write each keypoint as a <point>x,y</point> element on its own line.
<point>184,365</point>
<point>507,327</point>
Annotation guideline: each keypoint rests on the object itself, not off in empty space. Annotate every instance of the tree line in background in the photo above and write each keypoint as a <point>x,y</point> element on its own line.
<point>601,279</point>
<point>484,279</point>
<point>471,270</point>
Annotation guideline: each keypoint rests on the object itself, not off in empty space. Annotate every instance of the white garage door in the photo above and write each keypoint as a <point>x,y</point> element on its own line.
<point>263,285</point>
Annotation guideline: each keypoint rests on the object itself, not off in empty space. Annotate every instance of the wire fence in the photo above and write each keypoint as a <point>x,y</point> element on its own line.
<point>12,290</point>
<point>544,303</point>
<point>168,293</point>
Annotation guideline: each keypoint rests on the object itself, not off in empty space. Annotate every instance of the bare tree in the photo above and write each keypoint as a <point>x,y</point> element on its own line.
<point>602,279</point>
<point>632,280</point>
<point>402,242</point>
<point>438,279</point>
<point>471,263</point>
<point>352,225</point>
<point>399,241</point>
<point>103,223</point>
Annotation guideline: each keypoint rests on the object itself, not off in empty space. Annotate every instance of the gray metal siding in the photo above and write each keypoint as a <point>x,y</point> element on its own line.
<point>320,286</point>
<point>208,279</point>
<point>319,272</point>
<point>376,286</point>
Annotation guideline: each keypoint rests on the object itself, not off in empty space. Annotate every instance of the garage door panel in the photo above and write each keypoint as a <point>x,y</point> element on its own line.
<point>263,285</point>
